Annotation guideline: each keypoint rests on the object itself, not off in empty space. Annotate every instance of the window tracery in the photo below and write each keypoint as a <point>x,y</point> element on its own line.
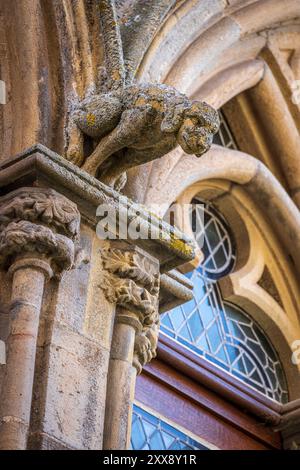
<point>217,330</point>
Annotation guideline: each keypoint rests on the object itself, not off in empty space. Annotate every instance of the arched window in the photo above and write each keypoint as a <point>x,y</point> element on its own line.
<point>217,330</point>
<point>150,432</point>
<point>224,136</point>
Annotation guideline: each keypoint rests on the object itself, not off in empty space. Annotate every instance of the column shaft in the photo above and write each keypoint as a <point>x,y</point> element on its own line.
<point>120,388</point>
<point>26,300</point>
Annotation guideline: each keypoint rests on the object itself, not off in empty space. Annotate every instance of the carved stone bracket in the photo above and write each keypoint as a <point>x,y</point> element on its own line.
<point>145,345</point>
<point>132,281</point>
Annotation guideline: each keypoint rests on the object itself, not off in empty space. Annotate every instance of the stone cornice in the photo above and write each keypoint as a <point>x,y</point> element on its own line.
<point>41,166</point>
<point>175,289</point>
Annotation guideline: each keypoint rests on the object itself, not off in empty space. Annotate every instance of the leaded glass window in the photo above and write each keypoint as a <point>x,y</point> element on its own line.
<point>216,241</point>
<point>151,433</point>
<point>217,330</point>
<point>224,136</point>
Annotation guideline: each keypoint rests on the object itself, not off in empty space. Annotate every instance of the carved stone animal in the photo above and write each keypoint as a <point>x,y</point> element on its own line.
<point>140,123</point>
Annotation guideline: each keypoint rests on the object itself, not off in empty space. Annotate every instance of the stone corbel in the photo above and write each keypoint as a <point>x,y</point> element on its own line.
<point>39,234</point>
<point>131,281</point>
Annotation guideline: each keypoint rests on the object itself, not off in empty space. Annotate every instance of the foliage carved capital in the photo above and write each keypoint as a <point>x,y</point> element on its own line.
<point>42,222</point>
<point>131,281</point>
<point>41,205</point>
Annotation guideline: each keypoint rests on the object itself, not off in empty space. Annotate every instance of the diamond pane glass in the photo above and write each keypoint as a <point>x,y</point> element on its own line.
<point>152,433</point>
<point>213,237</point>
<point>224,136</point>
<point>219,331</point>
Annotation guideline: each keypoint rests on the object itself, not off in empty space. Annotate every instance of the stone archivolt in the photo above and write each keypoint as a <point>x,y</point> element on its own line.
<point>132,282</point>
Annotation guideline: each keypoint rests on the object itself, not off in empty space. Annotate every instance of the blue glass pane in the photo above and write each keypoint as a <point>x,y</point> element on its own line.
<point>156,441</point>
<point>177,318</point>
<point>249,364</point>
<point>235,330</point>
<point>195,325</point>
<point>166,321</point>
<point>199,288</point>
<point>221,354</point>
<point>153,433</point>
<point>185,333</point>
<point>240,366</point>
<point>214,337</point>
<point>202,343</point>
<point>138,438</point>
<point>189,307</point>
<point>207,312</point>
<point>232,352</point>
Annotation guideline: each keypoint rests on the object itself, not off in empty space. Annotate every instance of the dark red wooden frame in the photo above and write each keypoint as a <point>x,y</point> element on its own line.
<point>207,401</point>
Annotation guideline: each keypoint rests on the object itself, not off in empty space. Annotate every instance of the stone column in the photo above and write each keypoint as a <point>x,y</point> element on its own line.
<point>132,282</point>
<point>38,232</point>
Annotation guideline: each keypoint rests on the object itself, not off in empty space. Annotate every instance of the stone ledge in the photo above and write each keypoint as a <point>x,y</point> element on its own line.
<point>39,166</point>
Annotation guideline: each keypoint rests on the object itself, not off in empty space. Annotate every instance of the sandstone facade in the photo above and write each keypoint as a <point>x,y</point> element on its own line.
<point>95,89</point>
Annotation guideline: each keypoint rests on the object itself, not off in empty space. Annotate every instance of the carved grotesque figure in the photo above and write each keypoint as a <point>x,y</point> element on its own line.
<point>140,123</point>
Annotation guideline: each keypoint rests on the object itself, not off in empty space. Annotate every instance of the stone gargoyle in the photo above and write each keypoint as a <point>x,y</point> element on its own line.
<point>140,123</point>
<point>128,124</point>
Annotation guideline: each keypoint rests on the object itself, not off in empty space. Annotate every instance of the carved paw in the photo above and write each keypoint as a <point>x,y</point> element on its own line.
<point>76,158</point>
<point>90,166</point>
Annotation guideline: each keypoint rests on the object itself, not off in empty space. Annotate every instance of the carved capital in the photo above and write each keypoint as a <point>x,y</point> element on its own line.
<point>131,281</point>
<point>42,222</point>
<point>43,206</point>
<point>145,345</point>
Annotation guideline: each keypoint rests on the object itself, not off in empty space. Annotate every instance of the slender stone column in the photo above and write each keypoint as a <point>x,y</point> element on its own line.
<point>38,228</point>
<point>132,282</point>
<point>29,275</point>
<point>121,381</point>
